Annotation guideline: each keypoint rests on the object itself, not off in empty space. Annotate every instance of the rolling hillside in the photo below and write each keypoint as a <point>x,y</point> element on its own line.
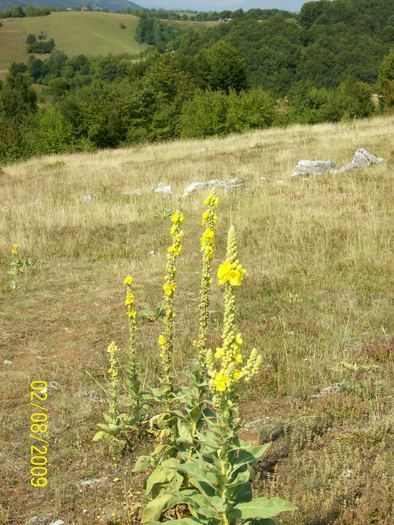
<point>89,33</point>
<point>108,5</point>
<point>317,302</point>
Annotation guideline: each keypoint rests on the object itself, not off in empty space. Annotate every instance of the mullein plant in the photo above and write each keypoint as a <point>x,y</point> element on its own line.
<point>18,265</point>
<point>219,472</point>
<point>118,425</point>
<point>112,427</point>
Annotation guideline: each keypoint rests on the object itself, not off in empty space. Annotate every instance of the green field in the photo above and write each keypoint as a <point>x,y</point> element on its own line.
<point>74,33</point>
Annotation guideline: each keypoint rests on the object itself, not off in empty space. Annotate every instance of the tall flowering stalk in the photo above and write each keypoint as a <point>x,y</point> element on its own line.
<point>113,373</point>
<point>132,368</point>
<point>166,337</point>
<point>207,244</point>
<point>226,367</point>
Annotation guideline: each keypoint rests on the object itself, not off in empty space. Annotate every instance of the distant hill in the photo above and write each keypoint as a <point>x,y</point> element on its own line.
<point>99,5</point>
<point>88,33</point>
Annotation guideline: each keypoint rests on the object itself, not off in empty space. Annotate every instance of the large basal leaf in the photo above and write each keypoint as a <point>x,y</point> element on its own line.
<point>199,477</point>
<point>142,463</point>
<point>264,507</point>
<point>156,507</point>
<point>159,476</point>
<point>247,451</point>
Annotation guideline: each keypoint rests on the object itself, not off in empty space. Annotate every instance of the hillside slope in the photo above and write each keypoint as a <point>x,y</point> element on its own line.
<point>89,33</point>
<point>108,5</point>
<point>317,302</point>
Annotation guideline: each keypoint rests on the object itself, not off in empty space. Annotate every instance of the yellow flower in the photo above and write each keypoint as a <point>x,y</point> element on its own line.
<point>224,272</point>
<point>132,314</point>
<point>231,273</point>
<point>208,252</point>
<point>239,359</point>
<point>208,236</point>
<point>15,250</point>
<point>237,375</point>
<point>219,353</point>
<point>177,218</point>
<point>237,275</point>
<point>129,299</point>
<point>205,217</point>
<point>222,382</point>
<point>212,200</point>
<point>162,340</point>
<point>112,349</point>
<point>128,280</point>
<point>238,339</point>
<point>169,288</point>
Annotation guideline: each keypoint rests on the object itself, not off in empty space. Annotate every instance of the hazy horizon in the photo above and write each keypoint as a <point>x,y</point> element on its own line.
<point>220,5</point>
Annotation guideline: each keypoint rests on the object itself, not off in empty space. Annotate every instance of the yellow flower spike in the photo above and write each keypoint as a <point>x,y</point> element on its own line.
<point>222,382</point>
<point>238,339</point>
<point>169,288</point>
<point>15,250</point>
<point>207,244</point>
<point>129,299</point>
<point>128,280</point>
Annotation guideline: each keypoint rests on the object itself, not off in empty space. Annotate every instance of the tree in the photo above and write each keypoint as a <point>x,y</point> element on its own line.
<point>222,68</point>
<point>249,110</point>
<point>386,79</point>
<point>18,99</point>
<point>204,115</point>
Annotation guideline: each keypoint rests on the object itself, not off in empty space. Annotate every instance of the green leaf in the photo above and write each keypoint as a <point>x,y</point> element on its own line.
<point>156,507</point>
<point>142,463</point>
<point>100,435</point>
<point>103,426</point>
<point>198,476</point>
<point>159,476</point>
<point>184,432</point>
<point>256,452</point>
<point>264,507</point>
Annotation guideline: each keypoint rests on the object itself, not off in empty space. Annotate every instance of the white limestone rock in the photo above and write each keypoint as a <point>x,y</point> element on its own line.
<point>362,158</point>
<point>305,168</point>
<point>163,188</point>
<point>213,183</point>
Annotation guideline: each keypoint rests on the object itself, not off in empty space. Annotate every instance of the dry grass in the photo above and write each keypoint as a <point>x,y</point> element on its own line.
<point>318,298</point>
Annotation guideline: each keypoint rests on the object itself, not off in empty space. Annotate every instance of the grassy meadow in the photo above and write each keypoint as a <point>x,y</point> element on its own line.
<point>317,302</point>
<point>88,33</point>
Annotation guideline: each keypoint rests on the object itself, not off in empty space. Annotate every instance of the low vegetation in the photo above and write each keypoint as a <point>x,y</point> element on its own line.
<point>316,302</point>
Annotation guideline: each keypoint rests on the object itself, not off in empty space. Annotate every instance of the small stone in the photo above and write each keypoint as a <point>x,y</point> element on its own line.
<point>213,183</point>
<point>331,389</point>
<point>57,522</point>
<point>93,396</point>
<point>88,197</point>
<point>131,193</point>
<point>7,362</point>
<point>163,188</point>
<point>39,520</point>
<point>305,168</point>
<point>54,385</point>
<point>93,482</point>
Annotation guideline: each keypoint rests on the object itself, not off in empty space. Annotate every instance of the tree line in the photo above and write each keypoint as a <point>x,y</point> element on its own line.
<point>210,90</point>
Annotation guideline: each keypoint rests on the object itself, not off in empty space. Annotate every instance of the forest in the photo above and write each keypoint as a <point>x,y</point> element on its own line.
<point>333,61</point>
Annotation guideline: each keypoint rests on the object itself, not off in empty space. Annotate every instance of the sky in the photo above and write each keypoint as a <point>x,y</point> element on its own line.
<point>219,5</point>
